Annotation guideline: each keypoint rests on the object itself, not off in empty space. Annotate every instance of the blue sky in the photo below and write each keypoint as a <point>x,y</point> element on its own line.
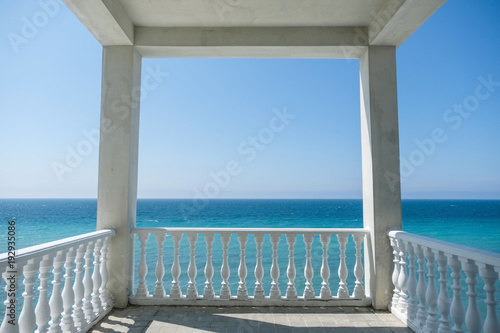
<point>201,118</point>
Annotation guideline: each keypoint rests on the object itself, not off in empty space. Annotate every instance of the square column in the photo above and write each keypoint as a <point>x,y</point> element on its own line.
<point>118,155</point>
<point>380,166</point>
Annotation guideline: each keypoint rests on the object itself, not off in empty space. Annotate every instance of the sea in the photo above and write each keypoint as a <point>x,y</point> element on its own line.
<point>474,223</point>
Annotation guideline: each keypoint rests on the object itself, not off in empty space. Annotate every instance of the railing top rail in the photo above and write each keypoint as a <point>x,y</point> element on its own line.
<point>256,230</point>
<point>41,250</point>
<point>480,256</point>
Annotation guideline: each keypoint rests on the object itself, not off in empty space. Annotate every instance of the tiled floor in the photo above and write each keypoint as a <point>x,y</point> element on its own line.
<point>163,319</point>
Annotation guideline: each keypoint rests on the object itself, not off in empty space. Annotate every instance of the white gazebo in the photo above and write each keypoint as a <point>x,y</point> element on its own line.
<point>370,31</point>
<point>397,269</point>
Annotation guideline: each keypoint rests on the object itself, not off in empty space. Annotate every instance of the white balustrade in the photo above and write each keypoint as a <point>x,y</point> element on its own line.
<point>403,298</point>
<point>103,290</point>
<point>444,302</point>
<point>242,269</point>
<point>160,268</point>
<point>457,306</point>
<point>55,302</point>
<point>88,285</point>
<point>325,292</point>
<point>437,312</point>
<point>473,319</point>
<point>359,291</point>
<point>275,292</point>
<point>68,294</point>
<point>175,290</point>
<point>78,287</point>
<point>226,257</point>
<point>70,308</point>
<point>225,292</point>
<point>291,292</point>
<point>42,310</point>
<point>421,288</point>
<point>343,291</point>
<point>259,270</point>
<point>27,318</point>
<point>395,274</point>
<point>412,282</point>
<point>308,269</point>
<point>209,293</point>
<point>192,292</point>
<point>96,278</point>
<point>142,289</point>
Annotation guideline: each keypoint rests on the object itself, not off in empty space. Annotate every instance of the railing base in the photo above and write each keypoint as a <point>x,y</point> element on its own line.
<point>101,316</point>
<point>403,317</point>
<point>234,301</point>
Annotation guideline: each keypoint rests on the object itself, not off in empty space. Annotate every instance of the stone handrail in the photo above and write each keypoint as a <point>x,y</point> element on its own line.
<point>75,304</point>
<point>209,296</point>
<point>416,298</point>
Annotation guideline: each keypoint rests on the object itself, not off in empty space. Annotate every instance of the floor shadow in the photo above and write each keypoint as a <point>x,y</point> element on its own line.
<point>159,319</point>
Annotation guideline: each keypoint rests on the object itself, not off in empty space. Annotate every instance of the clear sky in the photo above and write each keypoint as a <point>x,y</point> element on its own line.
<point>205,114</point>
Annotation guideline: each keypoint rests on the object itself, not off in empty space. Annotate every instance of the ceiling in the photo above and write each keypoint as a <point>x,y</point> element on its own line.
<point>252,28</point>
<point>250,13</point>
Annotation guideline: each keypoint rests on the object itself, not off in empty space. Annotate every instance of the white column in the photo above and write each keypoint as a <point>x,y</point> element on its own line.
<point>380,166</point>
<point>118,153</point>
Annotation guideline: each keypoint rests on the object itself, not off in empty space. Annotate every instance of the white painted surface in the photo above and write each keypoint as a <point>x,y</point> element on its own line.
<point>64,310</point>
<point>452,258</point>
<point>380,165</point>
<point>267,297</point>
<point>383,22</point>
<point>118,158</point>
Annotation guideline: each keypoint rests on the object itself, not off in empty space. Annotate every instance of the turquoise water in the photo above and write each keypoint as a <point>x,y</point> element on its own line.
<point>474,223</point>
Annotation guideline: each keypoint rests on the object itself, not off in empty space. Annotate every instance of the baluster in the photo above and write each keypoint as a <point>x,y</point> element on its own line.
<point>96,278</point>
<point>67,294</point>
<point>160,269</point>
<point>325,292</point>
<point>258,292</point>
<point>412,283</point>
<point>225,292</point>
<point>291,292</point>
<point>308,269</point>
<point>359,291</point>
<point>473,319</point>
<point>242,269</point>
<point>142,289</point>
<point>192,292</point>
<point>490,277</point>
<point>27,317</point>
<point>421,288</point>
<point>78,315</point>
<point>431,293</point>
<point>275,292</point>
<point>444,301</point>
<point>88,284</point>
<point>42,309</point>
<point>403,298</point>
<point>105,295</point>
<point>175,290</point>
<point>56,302</point>
<point>457,306</point>
<point>343,292</point>
<point>395,274</point>
<point>209,293</point>
<point>10,302</point>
